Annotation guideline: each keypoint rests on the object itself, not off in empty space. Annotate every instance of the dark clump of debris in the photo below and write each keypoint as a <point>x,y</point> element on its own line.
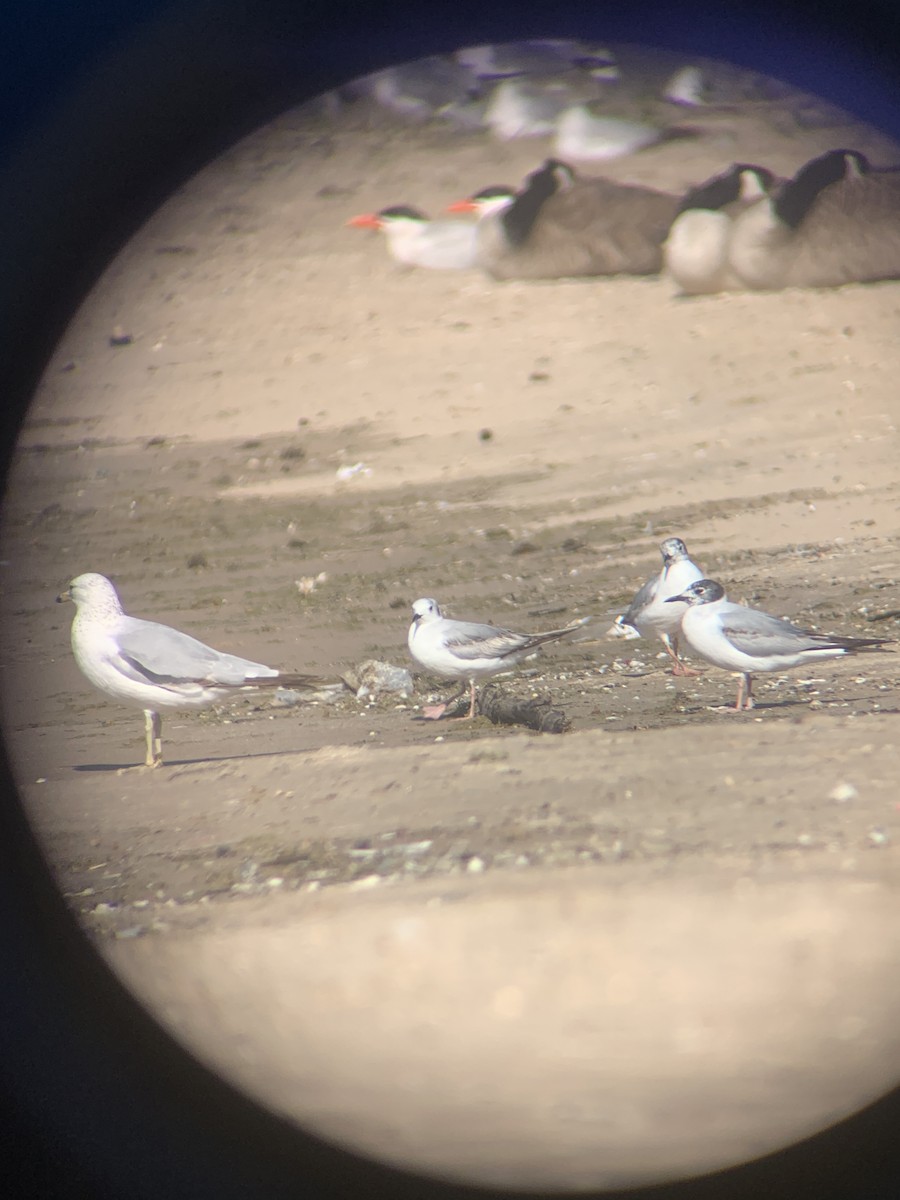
<point>534,713</point>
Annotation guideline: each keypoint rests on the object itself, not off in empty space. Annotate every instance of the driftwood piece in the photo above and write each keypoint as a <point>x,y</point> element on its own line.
<point>534,713</point>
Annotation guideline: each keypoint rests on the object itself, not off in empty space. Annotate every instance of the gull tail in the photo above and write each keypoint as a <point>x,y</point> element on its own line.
<point>538,639</point>
<point>310,683</point>
<point>853,645</point>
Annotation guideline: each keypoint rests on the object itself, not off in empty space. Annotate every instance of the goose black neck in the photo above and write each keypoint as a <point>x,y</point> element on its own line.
<point>518,220</point>
<point>722,189</point>
<point>799,194</point>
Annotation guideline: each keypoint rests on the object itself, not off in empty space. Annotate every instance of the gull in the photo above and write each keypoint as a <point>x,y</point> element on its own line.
<point>418,90</point>
<point>151,666</point>
<point>651,612</point>
<point>520,108</point>
<point>686,87</point>
<point>540,56</point>
<point>745,640</point>
<point>468,650</point>
<point>582,136</point>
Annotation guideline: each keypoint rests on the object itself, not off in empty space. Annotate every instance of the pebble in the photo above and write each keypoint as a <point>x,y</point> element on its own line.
<point>364,884</point>
<point>843,792</point>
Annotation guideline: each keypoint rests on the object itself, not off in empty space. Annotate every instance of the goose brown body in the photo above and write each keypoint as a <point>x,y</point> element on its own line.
<point>561,225</point>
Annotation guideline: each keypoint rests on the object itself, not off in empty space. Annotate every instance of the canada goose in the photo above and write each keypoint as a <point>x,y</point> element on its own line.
<point>415,241</point>
<point>745,640</point>
<point>559,224</point>
<point>696,250</point>
<point>837,221</point>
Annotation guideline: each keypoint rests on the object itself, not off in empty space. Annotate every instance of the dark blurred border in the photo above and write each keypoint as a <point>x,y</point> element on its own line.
<point>106,106</point>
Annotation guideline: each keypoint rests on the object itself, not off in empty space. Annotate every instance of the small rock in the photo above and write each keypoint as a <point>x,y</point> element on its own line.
<point>475,865</point>
<point>308,583</point>
<point>119,337</point>
<point>373,678</point>
<point>413,848</point>
<point>364,884</point>
<point>843,792</point>
<point>195,561</point>
<point>342,474</point>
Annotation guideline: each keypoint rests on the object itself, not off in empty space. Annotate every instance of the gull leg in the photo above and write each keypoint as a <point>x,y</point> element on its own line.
<point>678,667</point>
<point>472,701</point>
<point>153,729</point>
<point>744,693</point>
<point>434,712</point>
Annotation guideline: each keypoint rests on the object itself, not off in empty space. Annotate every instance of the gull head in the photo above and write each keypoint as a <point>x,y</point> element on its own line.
<point>425,610</point>
<point>672,549</point>
<point>704,591</point>
<point>91,591</point>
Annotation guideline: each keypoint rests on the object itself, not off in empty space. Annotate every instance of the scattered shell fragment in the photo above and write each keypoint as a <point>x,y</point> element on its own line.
<point>843,792</point>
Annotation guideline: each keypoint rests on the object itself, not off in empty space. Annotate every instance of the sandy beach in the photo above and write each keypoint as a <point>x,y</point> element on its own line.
<point>661,942</point>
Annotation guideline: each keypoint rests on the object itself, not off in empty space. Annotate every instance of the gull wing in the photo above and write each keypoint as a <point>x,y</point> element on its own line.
<point>761,635</point>
<point>643,597</point>
<point>159,654</point>
<point>469,640</point>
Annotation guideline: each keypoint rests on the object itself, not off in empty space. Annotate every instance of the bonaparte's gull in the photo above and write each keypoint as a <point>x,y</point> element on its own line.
<point>651,612</point>
<point>745,640</point>
<point>467,650</point>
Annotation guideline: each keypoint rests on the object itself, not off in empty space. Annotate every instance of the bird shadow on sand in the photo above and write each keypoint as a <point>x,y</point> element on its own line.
<point>170,764</point>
